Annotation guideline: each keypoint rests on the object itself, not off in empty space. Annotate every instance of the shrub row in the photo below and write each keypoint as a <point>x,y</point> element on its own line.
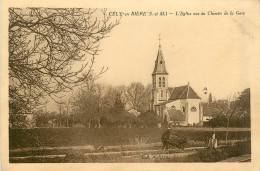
<point>105,136</point>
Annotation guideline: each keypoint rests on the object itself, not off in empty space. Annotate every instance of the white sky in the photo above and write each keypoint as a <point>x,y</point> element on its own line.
<point>207,51</point>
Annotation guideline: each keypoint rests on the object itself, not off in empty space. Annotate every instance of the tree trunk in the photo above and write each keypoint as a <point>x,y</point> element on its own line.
<point>98,123</point>
<point>227,130</point>
<point>72,120</point>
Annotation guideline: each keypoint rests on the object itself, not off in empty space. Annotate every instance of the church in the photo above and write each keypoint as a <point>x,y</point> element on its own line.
<point>178,105</point>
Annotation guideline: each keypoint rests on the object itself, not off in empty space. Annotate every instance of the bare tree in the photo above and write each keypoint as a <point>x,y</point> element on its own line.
<point>227,108</point>
<point>138,96</point>
<point>90,102</point>
<point>45,45</point>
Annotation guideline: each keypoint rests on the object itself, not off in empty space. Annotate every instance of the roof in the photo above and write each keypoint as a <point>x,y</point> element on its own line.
<point>176,115</point>
<point>170,89</point>
<point>159,67</point>
<point>163,103</point>
<point>183,92</point>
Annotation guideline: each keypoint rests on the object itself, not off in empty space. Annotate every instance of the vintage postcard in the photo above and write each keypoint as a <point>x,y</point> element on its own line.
<point>144,85</point>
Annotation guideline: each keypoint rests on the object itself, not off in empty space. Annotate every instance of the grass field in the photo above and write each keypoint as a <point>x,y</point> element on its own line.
<point>56,137</point>
<point>142,155</point>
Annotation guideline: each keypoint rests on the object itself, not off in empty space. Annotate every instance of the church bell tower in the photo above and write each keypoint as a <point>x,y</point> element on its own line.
<point>160,80</point>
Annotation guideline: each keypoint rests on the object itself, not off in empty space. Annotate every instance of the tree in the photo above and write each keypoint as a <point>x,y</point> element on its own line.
<point>116,114</point>
<point>244,104</point>
<point>90,103</point>
<point>44,46</point>
<point>146,100</point>
<point>227,108</point>
<point>150,118</point>
<point>138,97</point>
<point>244,100</point>
<point>210,98</point>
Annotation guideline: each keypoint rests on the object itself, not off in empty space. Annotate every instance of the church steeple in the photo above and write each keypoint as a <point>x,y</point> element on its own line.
<point>159,67</point>
<point>160,79</point>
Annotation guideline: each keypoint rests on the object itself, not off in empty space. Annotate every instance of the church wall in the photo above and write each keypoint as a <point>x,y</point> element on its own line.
<point>160,110</point>
<point>175,104</point>
<point>190,107</point>
<point>184,108</point>
<point>178,105</point>
<point>193,110</point>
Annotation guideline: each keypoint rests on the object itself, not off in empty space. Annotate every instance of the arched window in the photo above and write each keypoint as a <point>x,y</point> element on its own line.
<point>163,82</point>
<point>193,109</point>
<point>183,109</point>
<point>161,93</point>
<point>160,82</point>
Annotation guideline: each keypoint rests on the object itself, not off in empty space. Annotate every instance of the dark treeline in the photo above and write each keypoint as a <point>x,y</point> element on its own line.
<point>96,105</point>
<point>234,113</point>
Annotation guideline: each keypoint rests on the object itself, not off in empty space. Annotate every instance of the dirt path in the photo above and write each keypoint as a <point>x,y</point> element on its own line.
<point>91,148</point>
<point>136,152</point>
<point>156,153</point>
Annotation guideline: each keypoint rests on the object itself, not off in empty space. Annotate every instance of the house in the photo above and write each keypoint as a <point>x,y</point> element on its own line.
<point>167,101</point>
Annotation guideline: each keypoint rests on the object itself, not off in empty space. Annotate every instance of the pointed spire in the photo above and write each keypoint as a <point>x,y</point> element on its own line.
<point>159,40</point>
<point>160,67</point>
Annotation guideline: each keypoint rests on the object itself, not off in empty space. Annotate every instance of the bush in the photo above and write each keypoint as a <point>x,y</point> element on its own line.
<point>105,136</point>
<point>219,121</point>
<point>150,118</point>
<point>231,150</point>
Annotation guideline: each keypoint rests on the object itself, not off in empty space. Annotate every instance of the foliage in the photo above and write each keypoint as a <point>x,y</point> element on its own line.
<point>210,98</point>
<point>118,106</point>
<point>222,153</point>
<point>244,100</point>
<point>150,118</point>
<point>55,137</point>
<point>52,119</point>
<point>235,113</point>
<point>218,121</point>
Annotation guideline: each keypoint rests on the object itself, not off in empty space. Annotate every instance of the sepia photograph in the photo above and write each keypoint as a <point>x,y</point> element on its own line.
<point>130,85</point>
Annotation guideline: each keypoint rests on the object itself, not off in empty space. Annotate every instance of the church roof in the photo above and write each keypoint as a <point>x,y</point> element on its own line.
<point>183,92</point>
<point>159,67</point>
<point>170,89</point>
<point>163,103</point>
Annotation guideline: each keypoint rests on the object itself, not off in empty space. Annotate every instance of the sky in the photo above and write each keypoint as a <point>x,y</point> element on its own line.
<point>206,51</point>
<point>215,52</point>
